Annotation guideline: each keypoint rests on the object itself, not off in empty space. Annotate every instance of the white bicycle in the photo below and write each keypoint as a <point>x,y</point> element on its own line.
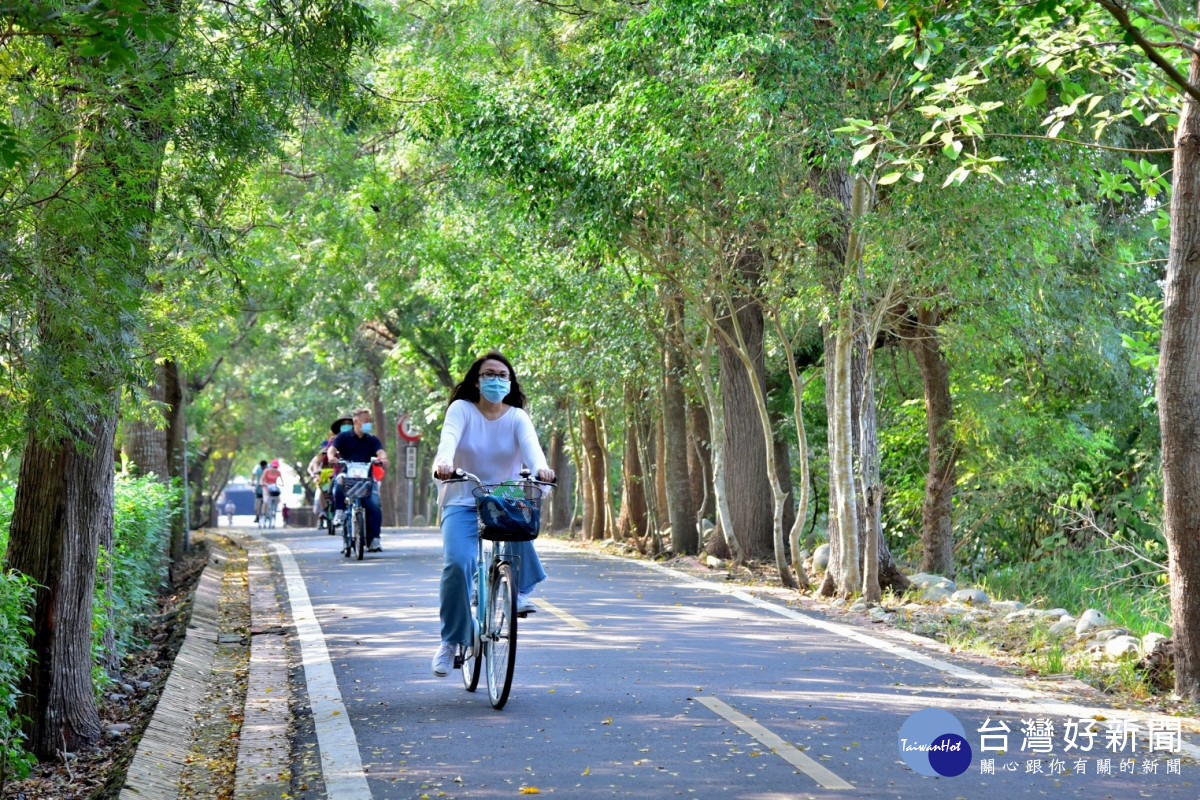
<point>269,508</point>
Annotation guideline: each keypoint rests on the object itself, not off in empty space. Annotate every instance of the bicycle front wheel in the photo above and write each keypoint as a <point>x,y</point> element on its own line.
<point>472,666</point>
<point>360,531</point>
<point>501,634</point>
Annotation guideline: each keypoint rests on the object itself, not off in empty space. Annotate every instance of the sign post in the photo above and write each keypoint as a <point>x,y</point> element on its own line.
<point>406,431</point>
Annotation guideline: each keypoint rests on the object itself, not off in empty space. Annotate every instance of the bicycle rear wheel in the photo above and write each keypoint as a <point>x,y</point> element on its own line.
<point>501,634</point>
<point>360,530</point>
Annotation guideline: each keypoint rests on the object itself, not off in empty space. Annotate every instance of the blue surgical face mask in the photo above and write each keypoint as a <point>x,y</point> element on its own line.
<point>368,427</point>
<point>494,389</point>
<point>346,428</point>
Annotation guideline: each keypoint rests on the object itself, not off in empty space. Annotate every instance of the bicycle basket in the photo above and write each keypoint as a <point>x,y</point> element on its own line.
<point>356,489</point>
<point>509,512</point>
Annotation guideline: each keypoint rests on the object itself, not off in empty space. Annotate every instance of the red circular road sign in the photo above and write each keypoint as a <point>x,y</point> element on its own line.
<point>407,432</point>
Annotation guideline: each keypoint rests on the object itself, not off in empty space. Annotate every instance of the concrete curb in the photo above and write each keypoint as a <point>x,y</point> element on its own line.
<point>158,763</point>
<point>264,753</point>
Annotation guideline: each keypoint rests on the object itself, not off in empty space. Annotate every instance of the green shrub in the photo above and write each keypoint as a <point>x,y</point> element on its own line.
<point>1078,580</point>
<point>16,598</point>
<point>143,511</point>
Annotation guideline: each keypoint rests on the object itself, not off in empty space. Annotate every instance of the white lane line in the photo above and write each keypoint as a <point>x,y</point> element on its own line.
<point>566,617</point>
<point>998,685</point>
<point>340,761</point>
<point>778,746</point>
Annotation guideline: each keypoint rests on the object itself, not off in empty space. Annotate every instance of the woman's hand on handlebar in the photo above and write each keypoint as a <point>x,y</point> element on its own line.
<point>546,475</point>
<point>443,472</point>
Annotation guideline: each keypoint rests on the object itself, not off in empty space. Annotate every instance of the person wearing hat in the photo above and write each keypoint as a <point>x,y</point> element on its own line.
<point>361,445</point>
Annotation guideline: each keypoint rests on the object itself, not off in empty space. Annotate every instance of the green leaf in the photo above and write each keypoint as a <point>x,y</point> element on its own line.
<point>863,152</point>
<point>890,178</point>
<point>1036,94</point>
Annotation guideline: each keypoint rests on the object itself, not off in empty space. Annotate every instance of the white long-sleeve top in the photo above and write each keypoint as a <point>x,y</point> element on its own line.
<point>494,450</point>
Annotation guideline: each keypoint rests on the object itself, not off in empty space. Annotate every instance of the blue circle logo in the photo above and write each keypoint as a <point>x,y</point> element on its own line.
<point>933,742</point>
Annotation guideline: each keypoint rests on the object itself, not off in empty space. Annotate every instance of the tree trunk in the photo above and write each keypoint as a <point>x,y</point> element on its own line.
<point>594,506</point>
<point>870,490</point>
<point>198,513</point>
<point>62,508</point>
<point>747,482</point>
<point>800,512</point>
<point>783,461</point>
<point>661,503</point>
<point>585,488</point>
<point>1179,398</point>
<point>175,432</point>
<point>110,661</point>
<point>387,494</point>
<point>843,573</point>
<point>937,510</point>
<point>685,534</point>
<point>562,497</point>
<point>700,462</point>
<point>646,431</point>
<point>610,513</point>
<point>145,441</point>
<point>631,523</point>
<point>723,542</point>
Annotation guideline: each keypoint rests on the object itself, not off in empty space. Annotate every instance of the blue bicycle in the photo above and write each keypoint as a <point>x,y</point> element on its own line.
<point>508,512</point>
<point>357,482</point>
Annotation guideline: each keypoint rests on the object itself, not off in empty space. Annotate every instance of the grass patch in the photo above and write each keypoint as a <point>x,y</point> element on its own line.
<point>1078,581</point>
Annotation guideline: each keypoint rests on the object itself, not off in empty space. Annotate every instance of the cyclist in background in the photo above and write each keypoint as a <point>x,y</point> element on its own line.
<point>486,432</point>
<point>360,444</point>
<point>271,479</point>
<point>321,469</point>
<point>256,482</point>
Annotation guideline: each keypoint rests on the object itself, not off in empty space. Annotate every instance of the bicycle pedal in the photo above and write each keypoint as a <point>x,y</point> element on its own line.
<point>458,660</point>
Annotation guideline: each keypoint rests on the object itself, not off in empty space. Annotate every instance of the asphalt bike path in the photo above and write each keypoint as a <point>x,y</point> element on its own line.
<point>635,680</point>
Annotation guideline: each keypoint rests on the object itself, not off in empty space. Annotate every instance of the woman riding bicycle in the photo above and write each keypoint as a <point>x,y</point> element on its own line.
<point>486,432</point>
<point>272,487</point>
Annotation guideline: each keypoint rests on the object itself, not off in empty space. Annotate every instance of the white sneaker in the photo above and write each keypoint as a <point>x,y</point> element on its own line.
<point>339,517</point>
<point>443,660</point>
<point>524,604</point>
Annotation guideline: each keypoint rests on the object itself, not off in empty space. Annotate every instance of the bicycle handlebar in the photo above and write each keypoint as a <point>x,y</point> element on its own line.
<point>462,476</point>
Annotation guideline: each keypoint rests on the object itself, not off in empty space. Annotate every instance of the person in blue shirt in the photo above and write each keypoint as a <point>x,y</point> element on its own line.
<point>360,444</point>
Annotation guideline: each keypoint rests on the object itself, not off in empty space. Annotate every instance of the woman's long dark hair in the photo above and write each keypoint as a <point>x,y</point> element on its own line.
<point>467,390</point>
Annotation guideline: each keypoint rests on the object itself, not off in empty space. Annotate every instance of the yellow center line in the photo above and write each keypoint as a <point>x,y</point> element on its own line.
<point>777,745</point>
<point>574,622</point>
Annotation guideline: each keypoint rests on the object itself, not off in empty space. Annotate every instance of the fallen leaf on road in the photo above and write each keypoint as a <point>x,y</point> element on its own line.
<point>586,771</point>
<point>531,790</point>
